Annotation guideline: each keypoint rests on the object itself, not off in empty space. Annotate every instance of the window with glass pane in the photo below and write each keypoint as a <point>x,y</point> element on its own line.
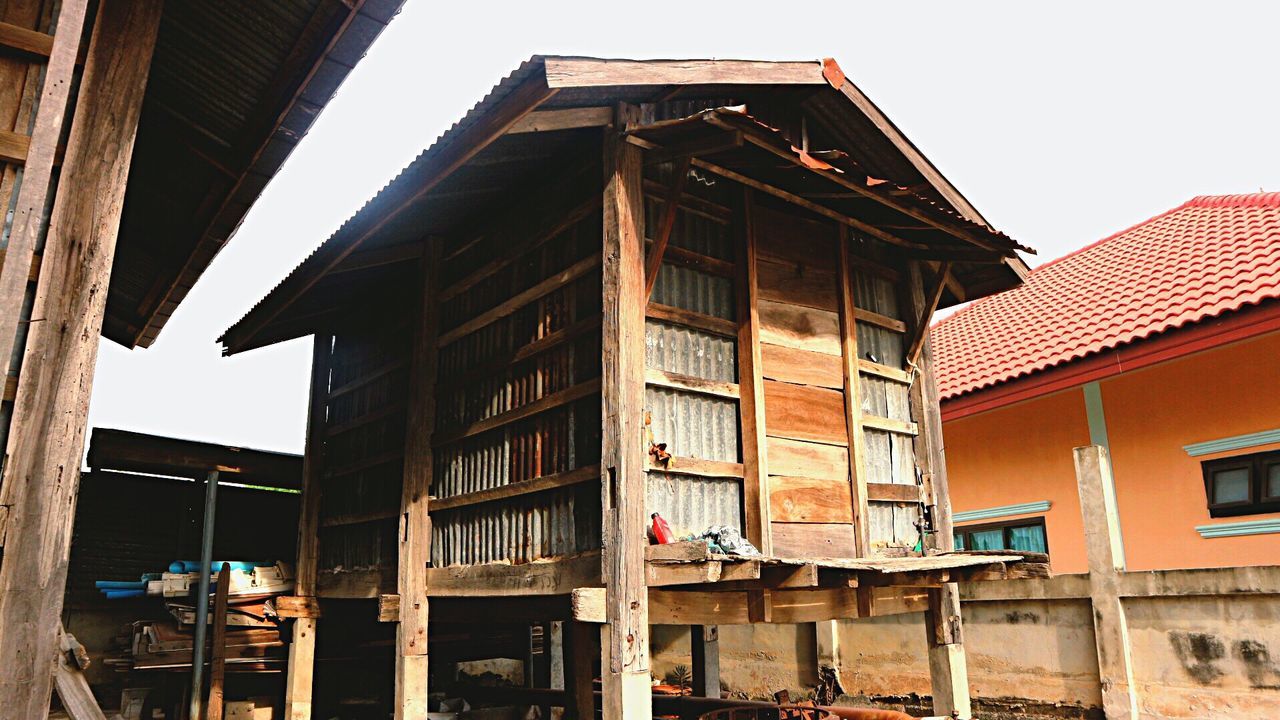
<point>1231,486</point>
<point>1024,535</point>
<point>1243,485</point>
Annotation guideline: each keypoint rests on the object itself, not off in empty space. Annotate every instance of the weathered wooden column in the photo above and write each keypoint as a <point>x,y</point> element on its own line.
<point>948,665</point>
<point>1105,549</point>
<point>415,524</point>
<point>625,636</point>
<point>299,680</point>
<point>47,439</point>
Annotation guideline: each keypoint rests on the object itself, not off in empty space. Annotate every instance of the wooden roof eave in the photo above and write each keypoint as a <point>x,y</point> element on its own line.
<point>435,167</point>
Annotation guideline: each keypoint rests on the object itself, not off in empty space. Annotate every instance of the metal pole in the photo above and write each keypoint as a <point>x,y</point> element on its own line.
<point>202,596</point>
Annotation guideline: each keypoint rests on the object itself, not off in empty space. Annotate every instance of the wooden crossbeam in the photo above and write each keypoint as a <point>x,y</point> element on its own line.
<point>933,293</point>
<point>16,37</point>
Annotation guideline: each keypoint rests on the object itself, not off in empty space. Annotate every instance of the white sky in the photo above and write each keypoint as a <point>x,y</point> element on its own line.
<point>1061,125</point>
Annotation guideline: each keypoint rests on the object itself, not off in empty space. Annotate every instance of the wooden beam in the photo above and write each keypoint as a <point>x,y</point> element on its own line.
<point>37,171</point>
<point>854,418</point>
<point>379,257</point>
<point>46,441</point>
<point>415,523</point>
<point>554,576</point>
<point>389,608</point>
<point>751,414</point>
<point>625,638</point>
<point>299,676</point>
<point>690,383</point>
<point>35,42</point>
<point>893,492</point>
<point>296,606</point>
<point>1104,547</point>
<point>466,144</point>
<point>901,427</point>
<point>562,119</point>
<point>689,318</point>
<point>915,341</point>
<point>519,300</point>
<point>954,229</point>
<point>541,405</point>
<point>69,680</point>
<point>566,72</point>
<point>698,147</point>
<point>670,211</point>
<point>697,466</point>
<point>904,145</point>
<point>524,487</point>
<point>698,261</point>
<point>14,147</point>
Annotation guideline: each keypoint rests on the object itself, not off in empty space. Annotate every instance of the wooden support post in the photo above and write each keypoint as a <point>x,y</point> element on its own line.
<point>755,472</point>
<point>48,425</point>
<point>299,680</point>
<point>218,657</point>
<point>415,523</point>
<point>580,653</point>
<point>853,400</point>
<point>948,666</point>
<point>705,645</point>
<point>37,172</point>
<point>1105,550</point>
<point>625,637</point>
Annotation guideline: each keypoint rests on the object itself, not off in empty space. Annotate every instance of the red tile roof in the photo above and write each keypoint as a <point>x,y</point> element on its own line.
<point>1206,258</point>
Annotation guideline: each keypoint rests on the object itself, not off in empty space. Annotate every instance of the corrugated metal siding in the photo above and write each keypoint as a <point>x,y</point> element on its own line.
<point>681,350</point>
<point>363,462</point>
<point>523,529</point>
<point>693,425</point>
<point>691,504</point>
<point>692,290</point>
<point>476,382</point>
<point>694,232</point>
<point>890,456</point>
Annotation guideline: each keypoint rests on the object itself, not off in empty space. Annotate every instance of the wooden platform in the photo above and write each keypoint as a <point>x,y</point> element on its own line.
<point>689,585</point>
<point>692,564</point>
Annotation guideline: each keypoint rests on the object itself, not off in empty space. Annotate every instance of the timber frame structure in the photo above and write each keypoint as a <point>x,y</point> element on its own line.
<point>134,137</point>
<point>697,288</point>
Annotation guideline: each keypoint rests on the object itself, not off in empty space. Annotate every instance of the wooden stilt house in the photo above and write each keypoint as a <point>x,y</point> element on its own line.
<point>616,288</point>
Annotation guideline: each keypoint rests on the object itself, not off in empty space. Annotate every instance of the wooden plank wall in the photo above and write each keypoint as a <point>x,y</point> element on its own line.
<point>807,446</point>
<point>812,491</point>
<point>517,437</point>
<point>364,447</point>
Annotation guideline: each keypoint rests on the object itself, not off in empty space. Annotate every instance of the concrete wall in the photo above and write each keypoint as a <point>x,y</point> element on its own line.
<point>1022,453</point>
<point>1032,653</point>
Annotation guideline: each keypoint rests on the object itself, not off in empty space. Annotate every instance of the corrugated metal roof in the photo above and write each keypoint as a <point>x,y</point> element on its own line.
<point>233,88</point>
<point>1206,258</point>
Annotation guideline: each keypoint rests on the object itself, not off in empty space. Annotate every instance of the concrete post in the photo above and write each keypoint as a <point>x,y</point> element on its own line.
<point>1105,549</point>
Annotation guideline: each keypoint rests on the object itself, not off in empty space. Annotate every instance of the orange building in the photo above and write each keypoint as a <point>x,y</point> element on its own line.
<point>1161,343</point>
